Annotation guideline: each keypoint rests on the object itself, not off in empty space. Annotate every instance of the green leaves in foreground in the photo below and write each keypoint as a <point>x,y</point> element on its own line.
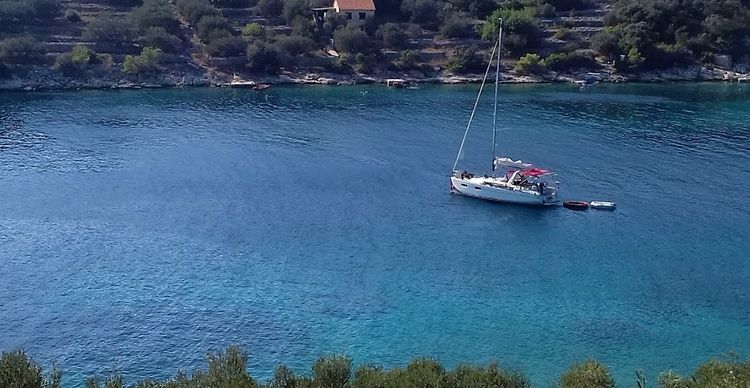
<point>228,369</point>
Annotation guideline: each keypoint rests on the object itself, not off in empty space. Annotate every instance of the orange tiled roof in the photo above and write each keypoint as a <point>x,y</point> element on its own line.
<point>356,5</point>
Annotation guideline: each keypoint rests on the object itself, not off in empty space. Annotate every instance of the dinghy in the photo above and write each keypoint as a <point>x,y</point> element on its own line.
<point>602,205</point>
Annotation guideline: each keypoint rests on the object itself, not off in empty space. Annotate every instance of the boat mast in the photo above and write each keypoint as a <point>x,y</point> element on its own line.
<point>497,80</point>
<point>474,110</point>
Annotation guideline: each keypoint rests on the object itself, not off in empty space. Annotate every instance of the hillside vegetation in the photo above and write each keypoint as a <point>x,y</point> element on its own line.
<point>140,39</point>
<point>229,370</point>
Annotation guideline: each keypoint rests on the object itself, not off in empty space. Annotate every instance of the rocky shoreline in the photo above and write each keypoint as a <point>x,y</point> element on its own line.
<point>47,79</point>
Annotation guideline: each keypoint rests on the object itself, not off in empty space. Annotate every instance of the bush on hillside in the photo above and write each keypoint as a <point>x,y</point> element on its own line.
<point>588,374</point>
<point>303,27</point>
<point>294,9</point>
<point>147,62</point>
<point>295,45</point>
<point>233,3</point>
<point>271,8</point>
<point>23,50</point>
<point>72,16</point>
<point>154,13</point>
<point>392,36</point>
<point>457,27</point>
<point>567,5</point>
<point>253,30</point>
<point>76,61</point>
<point>195,10</point>
<point>424,12</point>
<point>529,64</point>
<point>333,21</point>
<point>161,38</point>
<point>478,9</point>
<point>407,60</point>
<point>211,23</point>
<point>466,60</point>
<point>109,31</point>
<point>262,58</point>
<point>15,12</point>
<point>520,28</point>
<point>544,10</point>
<point>351,40</point>
<point>224,44</point>
<point>566,61</point>
<point>701,28</point>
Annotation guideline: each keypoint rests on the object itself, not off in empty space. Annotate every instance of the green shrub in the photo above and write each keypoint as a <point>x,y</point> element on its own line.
<point>147,62</point>
<point>544,10</point>
<point>294,9</point>
<point>421,11</point>
<point>567,5</point>
<point>491,376</point>
<point>407,60</point>
<point>565,61</point>
<point>332,372</point>
<point>154,13</point>
<point>254,30</point>
<point>262,58</point>
<point>465,60</point>
<point>520,28</point>
<point>232,3</point>
<point>109,31</point>
<point>351,40</point>
<point>161,38</point>
<point>530,64</point>
<point>271,8</point>
<point>392,36</point>
<point>224,44</point>
<point>18,371</point>
<point>211,23</point>
<point>23,50</point>
<point>455,26</point>
<point>75,61</point>
<point>195,10</point>
<point>588,374</point>
<point>333,21</point>
<point>15,12</point>
<point>565,33</point>
<point>295,45</point>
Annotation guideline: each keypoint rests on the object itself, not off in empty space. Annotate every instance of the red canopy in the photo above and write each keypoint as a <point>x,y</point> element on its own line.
<point>534,171</point>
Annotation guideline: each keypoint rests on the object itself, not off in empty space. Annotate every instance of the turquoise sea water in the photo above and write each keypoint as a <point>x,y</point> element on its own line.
<point>144,228</point>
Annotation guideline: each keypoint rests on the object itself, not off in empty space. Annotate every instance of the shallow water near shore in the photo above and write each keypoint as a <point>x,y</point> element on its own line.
<point>144,228</point>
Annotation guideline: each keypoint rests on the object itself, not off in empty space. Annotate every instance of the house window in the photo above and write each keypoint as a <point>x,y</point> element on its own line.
<point>348,16</point>
<point>362,16</point>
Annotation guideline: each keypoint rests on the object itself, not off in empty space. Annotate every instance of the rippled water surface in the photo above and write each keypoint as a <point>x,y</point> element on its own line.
<point>144,228</point>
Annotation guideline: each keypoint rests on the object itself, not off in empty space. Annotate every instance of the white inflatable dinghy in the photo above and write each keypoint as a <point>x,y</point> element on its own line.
<point>602,205</point>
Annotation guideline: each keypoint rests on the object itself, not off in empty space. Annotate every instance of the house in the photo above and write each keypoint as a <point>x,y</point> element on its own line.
<point>356,11</point>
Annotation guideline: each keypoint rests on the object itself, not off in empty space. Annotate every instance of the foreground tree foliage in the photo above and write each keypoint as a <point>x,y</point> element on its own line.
<point>228,369</point>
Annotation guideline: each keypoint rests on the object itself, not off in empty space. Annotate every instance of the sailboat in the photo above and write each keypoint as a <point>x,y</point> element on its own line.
<point>512,181</point>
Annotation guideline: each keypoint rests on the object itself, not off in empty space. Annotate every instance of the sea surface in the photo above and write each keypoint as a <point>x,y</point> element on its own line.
<point>141,229</point>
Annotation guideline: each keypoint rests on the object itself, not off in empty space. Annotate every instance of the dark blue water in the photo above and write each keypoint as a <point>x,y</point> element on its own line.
<point>142,229</point>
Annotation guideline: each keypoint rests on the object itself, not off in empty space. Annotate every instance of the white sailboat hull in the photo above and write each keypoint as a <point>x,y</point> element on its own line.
<point>524,197</point>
